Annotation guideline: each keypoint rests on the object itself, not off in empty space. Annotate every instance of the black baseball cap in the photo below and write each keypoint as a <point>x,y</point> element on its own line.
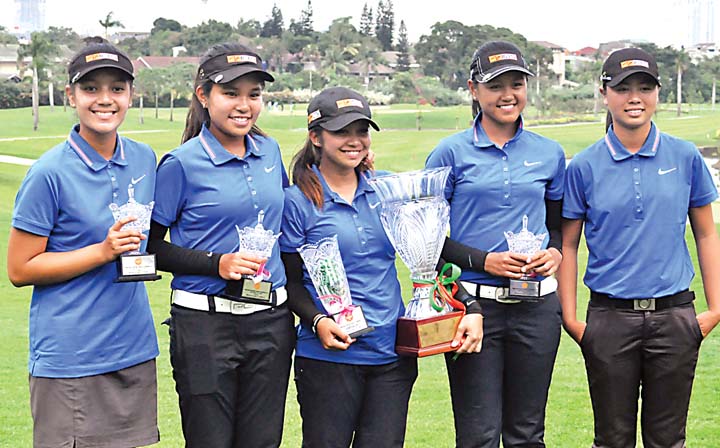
<point>336,107</point>
<point>229,66</point>
<point>495,58</point>
<point>628,61</point>
<point>95,56</point>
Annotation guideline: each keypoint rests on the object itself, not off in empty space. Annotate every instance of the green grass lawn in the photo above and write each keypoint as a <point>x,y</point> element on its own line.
<point>400,147</point>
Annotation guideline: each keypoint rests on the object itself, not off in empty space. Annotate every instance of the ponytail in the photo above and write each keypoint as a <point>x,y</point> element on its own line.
<point>305,178</point>
<point>608,121</point>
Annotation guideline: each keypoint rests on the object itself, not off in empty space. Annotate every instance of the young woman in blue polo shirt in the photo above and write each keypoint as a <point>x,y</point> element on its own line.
<point>501,173</point>
<point>230,357</point>
<point>349,390</point>
<point>633,191</point>
<point>92,340</point>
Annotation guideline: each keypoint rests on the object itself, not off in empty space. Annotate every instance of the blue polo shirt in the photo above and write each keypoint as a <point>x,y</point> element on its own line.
<point>87,325</point>
<point>369,260</point>
<point>490,189</point>
<point>635,208</point>
<point>204,191</point>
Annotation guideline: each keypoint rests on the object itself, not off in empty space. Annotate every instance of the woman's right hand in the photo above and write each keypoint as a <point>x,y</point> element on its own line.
<point>575,328</point>
<point>331,336</point>
<point>119,241</point>
<point>505,264</point>
<point>234,265</point>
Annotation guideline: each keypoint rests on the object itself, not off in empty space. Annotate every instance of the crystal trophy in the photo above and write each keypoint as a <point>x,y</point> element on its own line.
<point>415,216</point>
<point>325,266</point>
<point>525,243</point>
<point>135,266</point>
<point>257,241</point>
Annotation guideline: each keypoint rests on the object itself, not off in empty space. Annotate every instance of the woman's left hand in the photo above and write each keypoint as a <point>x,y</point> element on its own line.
<point>544,262</point>
<point>369,158</point>
<point>469,334</point>
<point>707,321</point>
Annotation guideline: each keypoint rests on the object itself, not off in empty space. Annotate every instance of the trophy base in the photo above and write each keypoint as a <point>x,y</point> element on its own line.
<point>247,291</point>
<point>525,289</point>
<point>428,336</point>
<point>354,324</point>
<point>136,268</point>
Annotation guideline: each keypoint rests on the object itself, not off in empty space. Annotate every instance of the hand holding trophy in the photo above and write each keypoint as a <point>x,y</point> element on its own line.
<point>326,269</point>
<point>257,241</point>
<point>135,266</point>
<point>527,244</point>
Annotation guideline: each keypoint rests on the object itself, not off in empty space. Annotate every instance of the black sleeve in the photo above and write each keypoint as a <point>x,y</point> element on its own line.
<point>472,306</point>
<point>180,260</point>
<point>299,300</point>
<point>553,222</point>
<point>468,258</point>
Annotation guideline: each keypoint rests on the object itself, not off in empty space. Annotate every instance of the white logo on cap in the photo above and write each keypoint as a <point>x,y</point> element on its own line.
<point>634,63</point>
<point>314,116</point>
<point>75,78</point>
<point>502,57</point>
<point>348,103</point>
<point>218,78</point>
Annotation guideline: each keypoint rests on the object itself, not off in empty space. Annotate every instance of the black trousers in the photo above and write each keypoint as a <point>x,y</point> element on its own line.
<point>338,401</point>
<point>231,375</point>
<point>649,354</point>
<point>502,391</point>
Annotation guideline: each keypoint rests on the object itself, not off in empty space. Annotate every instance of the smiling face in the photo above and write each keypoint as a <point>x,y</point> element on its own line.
<point>342,151</point>
<point>501,99</point>
<point>234,108</point>
<point>101,98</point>
<point>632,103</point>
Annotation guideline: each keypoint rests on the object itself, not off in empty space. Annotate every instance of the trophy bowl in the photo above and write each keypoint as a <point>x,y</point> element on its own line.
<point>415,216</point>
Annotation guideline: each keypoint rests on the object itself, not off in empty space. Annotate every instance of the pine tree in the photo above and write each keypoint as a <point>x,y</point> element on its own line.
<point>385,24</point>
<point>306,20</point>
<point>274,25</point>
<point>366,21</point>
<point>403,48</point>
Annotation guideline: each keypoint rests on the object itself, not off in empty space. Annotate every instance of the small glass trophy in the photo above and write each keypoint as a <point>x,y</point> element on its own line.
<point>135,266</point>
<point>326,269</point>
<point>525,243</point>
<point>257,241</point>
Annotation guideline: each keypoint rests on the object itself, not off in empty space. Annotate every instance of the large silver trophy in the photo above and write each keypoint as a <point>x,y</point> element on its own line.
<point>326,269</point>
<point>257,241</point>
<point>525,243</point>
<point>415,216</point>
<point>135,266</point>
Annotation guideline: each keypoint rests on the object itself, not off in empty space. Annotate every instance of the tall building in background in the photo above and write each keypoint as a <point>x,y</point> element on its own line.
<point>702,18</point>
<point>30,15</point>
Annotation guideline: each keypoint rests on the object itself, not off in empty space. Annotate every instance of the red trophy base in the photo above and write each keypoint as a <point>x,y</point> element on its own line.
<point>426,337</point>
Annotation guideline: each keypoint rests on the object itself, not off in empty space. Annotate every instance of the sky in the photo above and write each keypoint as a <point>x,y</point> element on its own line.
<point>572,24</point>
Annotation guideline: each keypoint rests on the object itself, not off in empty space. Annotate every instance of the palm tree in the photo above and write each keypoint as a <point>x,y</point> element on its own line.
<point>369,56</point>
<point>38,50</point>
<point>682,61</point>
<point>108,23</point>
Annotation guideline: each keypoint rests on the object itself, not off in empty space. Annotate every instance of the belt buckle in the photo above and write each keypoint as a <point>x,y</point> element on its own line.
<point>238,307</point>
<point>644,304</point>
<point>501,296</point>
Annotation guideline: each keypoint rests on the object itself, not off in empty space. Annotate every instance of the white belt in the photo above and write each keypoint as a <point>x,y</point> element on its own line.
<point>500,293</point>
<point>200,302</point>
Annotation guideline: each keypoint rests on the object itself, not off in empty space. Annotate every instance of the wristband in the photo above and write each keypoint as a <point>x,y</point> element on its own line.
<point>316,320</point>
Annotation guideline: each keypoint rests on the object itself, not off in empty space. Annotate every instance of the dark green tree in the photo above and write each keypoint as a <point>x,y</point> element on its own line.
<point>163,24</point>
<point>199,38</point>
<point>6,38</point>
<point>64,36</point>
<point>385,25</point>
<point>366,21</point>
<point>249,28</point>
<point>403,48</point>
<point>274,26</point>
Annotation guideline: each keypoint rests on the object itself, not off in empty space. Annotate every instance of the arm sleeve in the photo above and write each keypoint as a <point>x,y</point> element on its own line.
<point>180,260</point>
<point>553,222</point>
<point>468,258</point>
<point>299,300</point>
<point>472,306</point>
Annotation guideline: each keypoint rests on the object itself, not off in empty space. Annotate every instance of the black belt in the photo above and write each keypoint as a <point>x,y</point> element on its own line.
<point>659,303</point>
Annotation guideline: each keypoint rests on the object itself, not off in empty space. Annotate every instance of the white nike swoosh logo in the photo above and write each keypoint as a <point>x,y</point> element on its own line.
<point>526,163</point>
<point>269,169</point>
<point>662,171</point>
<point>134,181</point>
<point>373,206</point>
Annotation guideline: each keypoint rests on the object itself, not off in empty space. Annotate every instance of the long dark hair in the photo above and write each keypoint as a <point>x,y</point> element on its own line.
<point>197,114</point>
<point>305,178</point>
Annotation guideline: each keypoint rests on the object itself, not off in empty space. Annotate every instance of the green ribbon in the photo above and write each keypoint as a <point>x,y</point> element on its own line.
<point>442,286</point>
